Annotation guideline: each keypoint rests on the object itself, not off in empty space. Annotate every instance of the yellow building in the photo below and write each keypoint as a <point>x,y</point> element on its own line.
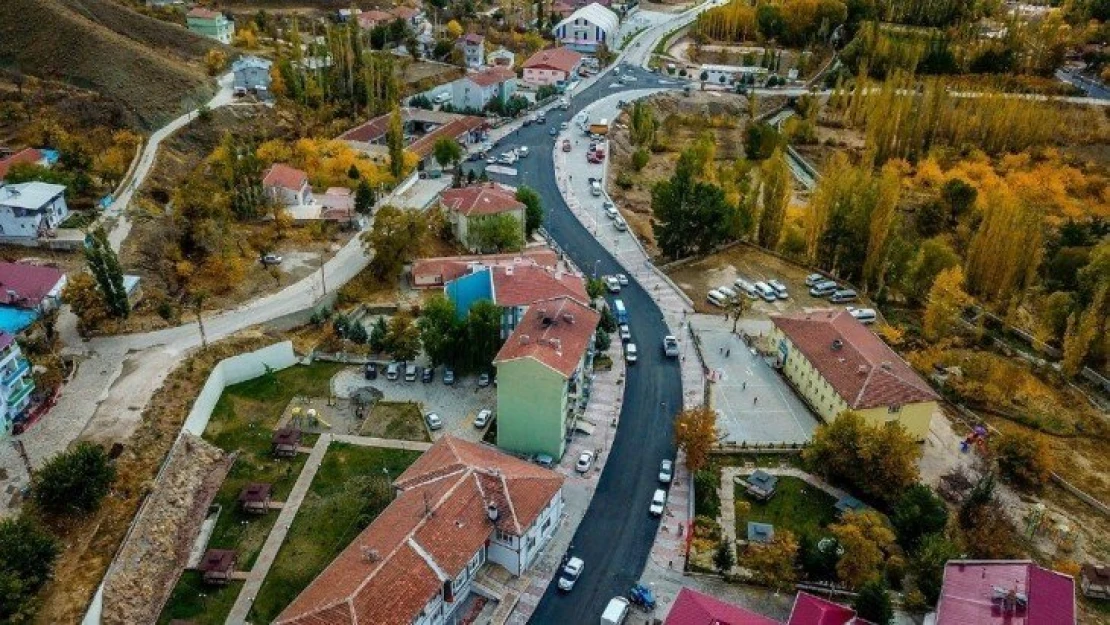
<point>836,363</point>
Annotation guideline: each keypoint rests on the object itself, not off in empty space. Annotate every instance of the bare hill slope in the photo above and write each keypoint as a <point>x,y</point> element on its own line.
<point>153,68</point>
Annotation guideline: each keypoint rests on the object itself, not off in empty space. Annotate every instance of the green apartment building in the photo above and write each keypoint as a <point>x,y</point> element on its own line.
<point>211,24</point>
<point>541,370</point>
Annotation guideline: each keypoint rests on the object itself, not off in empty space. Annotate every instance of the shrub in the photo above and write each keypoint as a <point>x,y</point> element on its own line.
<point>1024,460</point>
<point>640,159</point>
<point>624,180</point>
<point>74,481</point>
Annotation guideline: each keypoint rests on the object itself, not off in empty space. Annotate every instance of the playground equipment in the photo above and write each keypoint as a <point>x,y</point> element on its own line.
<point>314,417</point>
<point>977,438</point>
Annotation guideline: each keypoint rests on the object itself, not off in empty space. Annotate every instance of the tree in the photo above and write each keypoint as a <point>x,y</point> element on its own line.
<point>958,196</point>
<point>447,151</point>
<point>483,334</point>
<point>695,433</point>
<point>775,196</point>
<point>689,216</point>
<point>866,541</point>
<point>364,198</point>
<point>879,460</point>
<point>497,233</point>
<point>933,256</point>
<point>379,336</point>
<point>642,124</point>
<point>1025,460</point>
<point>439,330</point>
<point>761,141</point>
<point>394,240</point>
<point>888,189</point>
<point>74,481</point>
<point>395,140</point>
<point>104,265</point>
<point>640,159</point>
<point>533,208</point>
<point>1083,330</point>
<point>933,553</point>
<point>723,558</point>
<point>917,513</point>
<point>87,303</point>
<point>403,338</point>
<point>774,561</point>
<point>945,302</point>
<point>872,604</point>
<point>27,554</point>
<point>595,288</point>
<point>454,29</point>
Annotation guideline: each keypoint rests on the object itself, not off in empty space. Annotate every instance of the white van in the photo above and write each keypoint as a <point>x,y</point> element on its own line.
<point>843,295</point>
<point>595,188</point>
<point>823,289</point>
<point>766,292</point>
<point>866,316</point>
<point>615,612</point>
<point>716,298</point>
<point>747,288</point>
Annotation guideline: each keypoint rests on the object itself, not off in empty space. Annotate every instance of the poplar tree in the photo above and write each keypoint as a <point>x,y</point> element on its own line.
<point>104,265</point>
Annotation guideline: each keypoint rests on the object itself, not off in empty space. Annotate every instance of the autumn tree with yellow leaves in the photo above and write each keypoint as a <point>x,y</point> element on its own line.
<point>695,432</point>
<point>944,304</point>
<point>868,543</point>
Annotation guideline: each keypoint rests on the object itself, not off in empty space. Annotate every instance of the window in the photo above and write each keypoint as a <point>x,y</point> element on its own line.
<point>546,524</point>
<point>894,409</point>
<point>502,537</point>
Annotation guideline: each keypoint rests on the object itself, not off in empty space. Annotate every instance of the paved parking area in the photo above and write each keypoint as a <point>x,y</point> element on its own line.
<point>457,404</point>
<point>755,403</point>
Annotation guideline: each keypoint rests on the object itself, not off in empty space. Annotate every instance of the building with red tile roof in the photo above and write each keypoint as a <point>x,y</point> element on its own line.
<point>1014,592</point>
<point>31,286</point>
<point>369,19</point>
<point>812,610</point>
<point>29,156</point>
<point>422,129</point>
<point>836,364</point>
<point>542,371</point>
<point>694,608</point>
<point>429,273</point>
<point>551,66</point>
<point>460,505</point>
<point>211,24</point>
<point>287,185</point>
<point>468,206</point>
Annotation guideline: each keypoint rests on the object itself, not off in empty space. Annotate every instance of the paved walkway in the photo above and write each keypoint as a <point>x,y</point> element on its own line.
<point>387,443</point>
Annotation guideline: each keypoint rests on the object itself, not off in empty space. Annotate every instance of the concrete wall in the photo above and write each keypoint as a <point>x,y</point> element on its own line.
<point>531,408</point>
<point>466,290</point>
<point>233,371</point>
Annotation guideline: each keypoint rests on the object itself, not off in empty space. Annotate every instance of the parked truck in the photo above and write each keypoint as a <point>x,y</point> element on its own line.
<point>600,127</point>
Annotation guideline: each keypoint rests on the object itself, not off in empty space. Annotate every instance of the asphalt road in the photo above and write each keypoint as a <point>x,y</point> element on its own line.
<point>616,534</point>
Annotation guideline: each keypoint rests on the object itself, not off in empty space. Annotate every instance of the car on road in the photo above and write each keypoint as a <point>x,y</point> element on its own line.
<point>553,131</point>
<point>448,376</point>
<point>666,471</point>
<point>483,380</point>
<point>522,151</point>
<point>483,418</point>
<point>271,259</point>
<point>780,289</point>
<point>527,121</point>
<point>585,461</point>
<point>623,279</point>
<point>658,502</point>
<point>620,224</point>
<point>630,353</point>
<point>507,158</point>
<point>491,160</point>
<point>566,145</point>
<point>433,421</point>
<point>570,574</point>
<point>428,375</point>
<point>564,126</point>
<point>612,284</point>
<point>370,371</point>
<point>541,118</point>
<point>392,371</point>
<point>615,612</point>
<point>626,334</point>
<point>610,210</point>
<point>670,346</point>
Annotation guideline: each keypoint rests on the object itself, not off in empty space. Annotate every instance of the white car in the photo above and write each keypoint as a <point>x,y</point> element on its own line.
<point>482,420</point>
<point>612,284</point>
<point>434,422</point>
<point>780,289</point>
<point>666,471</point>
<point>571,572</point>
<point>658,502</point>
<point>585,461</point>
<point>863,315</point>
<point>610,210</point>
<point>522,151</point>
<point>670,346</point>
<point>630,353</point>
<point>623,279</point>
<point>626,334</point>
<point>620,224</point>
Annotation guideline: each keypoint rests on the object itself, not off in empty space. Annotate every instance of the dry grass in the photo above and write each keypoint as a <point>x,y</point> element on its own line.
<point>89,543</point>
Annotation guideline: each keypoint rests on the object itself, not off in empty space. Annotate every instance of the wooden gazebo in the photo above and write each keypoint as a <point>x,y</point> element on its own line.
<point>285,442</point>
<point>217,565</point>
<point>255,497</point>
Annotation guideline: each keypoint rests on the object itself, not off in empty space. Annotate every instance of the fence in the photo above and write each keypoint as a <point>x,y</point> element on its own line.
<point>233,371</point>
<point>731,448</point>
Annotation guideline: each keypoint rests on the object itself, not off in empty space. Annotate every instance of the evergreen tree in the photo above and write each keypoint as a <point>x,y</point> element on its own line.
<point>395,139</point>
<point>775,196</point>
<point>364,198</point>
<point>873,602</point>
<point>104,265</point>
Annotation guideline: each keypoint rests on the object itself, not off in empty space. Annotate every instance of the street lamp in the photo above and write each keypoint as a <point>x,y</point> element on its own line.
<point>596,263</point>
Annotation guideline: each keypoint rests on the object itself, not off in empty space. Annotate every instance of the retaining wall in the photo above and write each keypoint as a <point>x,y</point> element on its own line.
<point>233,371</point>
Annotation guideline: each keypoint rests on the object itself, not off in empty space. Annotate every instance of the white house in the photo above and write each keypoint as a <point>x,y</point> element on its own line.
<point>30,209</point>
<point>287,185</point>
<point>475,90</point>
<point>473,47</point>
<point>501,58</point>
<point>459,507</point>
<point>587,28</point>
<point>551,67</point>
<point>252,74</point>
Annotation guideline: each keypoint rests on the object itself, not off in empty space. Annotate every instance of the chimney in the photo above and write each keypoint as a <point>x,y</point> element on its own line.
<point>555,343</point>
<point>492,512</point>
<point>568,317</point>
<point>886,365</point>
<point>509,270</point>
<point>525,339</point>
<point>837,344</point>
<point>862,369</point>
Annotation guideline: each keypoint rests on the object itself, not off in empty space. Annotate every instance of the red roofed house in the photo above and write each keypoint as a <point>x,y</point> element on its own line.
<point>475,90</point>
<point>473,47</point>
<point>286,185</point>
<point>466,206</point>
<point>551,66</point>
<point>836,364</point>
<point>430,273</point>
<point>812,610</point>
<point>368,20</point>
<point>211,24</point>
<point>542,371</point>
<point>29,156</point>
<point>513,287</point>
<point>31,286</point>
<point>460,505</point>
<point>694,608</point>
<point>1015,592</point>
<point>408,14</point>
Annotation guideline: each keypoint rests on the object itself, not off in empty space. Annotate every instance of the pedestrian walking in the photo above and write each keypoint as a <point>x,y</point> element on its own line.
<point>728,352</point>
<point>720,350</point>
<point>755,400</point>
<point>744,386</point>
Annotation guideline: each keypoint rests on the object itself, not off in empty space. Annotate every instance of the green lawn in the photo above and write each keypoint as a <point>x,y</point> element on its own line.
<point>348,492</point>
<point>243,421</point>
<point>399,420</point>
<point>796,506</point>
<point>199,603</point>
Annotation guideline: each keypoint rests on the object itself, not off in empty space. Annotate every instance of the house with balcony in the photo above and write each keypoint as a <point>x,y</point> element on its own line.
<point>211,24</point>
<point>477,89</point>
<point>31,287</point>
<point>513,287</point>
<point>460,507</point>
<point>466,206</point>
<point>836,364</point>
<point>473,48</point>
<point>29,210</point>
<point>501,58</point>
<point>252,75</point>
<point>16,384</point>
<point>542,372</point>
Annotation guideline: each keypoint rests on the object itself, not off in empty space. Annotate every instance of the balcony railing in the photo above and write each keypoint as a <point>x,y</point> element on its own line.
<point>21,393</point>
<point>11,375</point>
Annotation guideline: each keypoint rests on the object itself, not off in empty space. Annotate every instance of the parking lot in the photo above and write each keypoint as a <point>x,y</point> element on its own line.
<point>456,405</point>
<point>754,403</point>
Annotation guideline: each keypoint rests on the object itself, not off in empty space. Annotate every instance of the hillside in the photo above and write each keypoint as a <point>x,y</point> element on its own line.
<point>152,68</point>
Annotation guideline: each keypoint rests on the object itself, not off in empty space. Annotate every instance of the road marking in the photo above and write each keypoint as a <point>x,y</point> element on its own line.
<point>501,169</point>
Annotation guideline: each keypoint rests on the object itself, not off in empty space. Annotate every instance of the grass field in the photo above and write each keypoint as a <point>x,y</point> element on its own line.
<point>397,420</point>
<point>351,488</point>
<point>796,506</point>
<point>195,601</point>
<point>243,421</point>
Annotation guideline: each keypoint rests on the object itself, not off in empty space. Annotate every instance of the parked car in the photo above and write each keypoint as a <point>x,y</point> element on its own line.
<point>620,224</point>
<point>615,611</point>
<point>765,291</point>
<point>522,151</point>
<point>544,460</point>
<point>814,278</point>
<point>747,288</point>
<point>433,421</point>
<point>448,376</point>
<point>611,211</point>
<point>585,461</point>
<point>626,334</point>
<point>271,259</point>
<point>570,574</point>
<point>566,145</point>
<point>483,418</point>
<point>666,471</point>
<point>716,298</point>
<point>492,160</point>
<point>823,289</point>
<point>670,346</point>
<point>630,353</point>
<point>563,126</point>
<point>392,371</point>
<point>623,279</point>
<point>428,375</point>
<point>553,131</point>
<point>410,373</point>
<point>727,292</point>
<point>865,316</point>
<point>843,295</point>
<point>612,284</point>
<point>658,502</point>
<point>780,289</point>
<point>483,380</point>
<point>370,371</point>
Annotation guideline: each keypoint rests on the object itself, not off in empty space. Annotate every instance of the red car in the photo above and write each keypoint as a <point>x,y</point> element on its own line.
<point>566,145</point>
